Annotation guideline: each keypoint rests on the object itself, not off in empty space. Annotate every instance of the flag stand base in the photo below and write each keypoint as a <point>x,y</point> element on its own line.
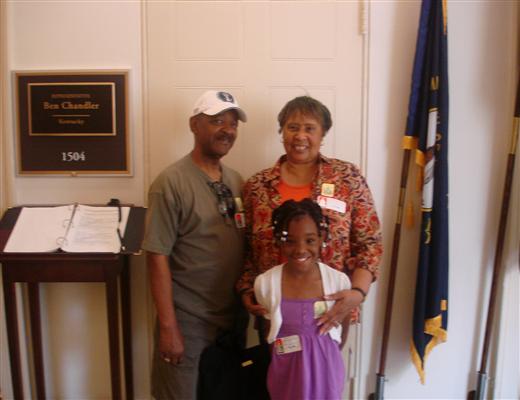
<point>380,389</point>
<point>481,387</point>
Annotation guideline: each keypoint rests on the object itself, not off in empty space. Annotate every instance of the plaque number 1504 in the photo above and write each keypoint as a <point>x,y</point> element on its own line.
<point>73,156</point>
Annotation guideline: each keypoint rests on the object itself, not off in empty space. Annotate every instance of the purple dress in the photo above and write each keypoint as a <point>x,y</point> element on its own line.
<point>315,373</point>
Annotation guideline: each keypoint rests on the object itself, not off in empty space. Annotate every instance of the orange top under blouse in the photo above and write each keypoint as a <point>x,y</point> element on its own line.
<point>297,193</point>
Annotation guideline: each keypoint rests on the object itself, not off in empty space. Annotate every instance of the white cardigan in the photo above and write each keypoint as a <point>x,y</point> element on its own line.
<point>268,292</point>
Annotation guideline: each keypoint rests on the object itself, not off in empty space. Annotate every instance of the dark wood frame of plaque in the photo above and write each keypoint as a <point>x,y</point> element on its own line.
<point>72,123</point>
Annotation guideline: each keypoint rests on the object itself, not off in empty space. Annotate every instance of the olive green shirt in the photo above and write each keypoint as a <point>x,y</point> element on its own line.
<point>205,248</point>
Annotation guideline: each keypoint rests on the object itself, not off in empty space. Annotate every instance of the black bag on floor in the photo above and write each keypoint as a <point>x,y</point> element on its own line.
<point>229,372</point>
<point>254,363</point>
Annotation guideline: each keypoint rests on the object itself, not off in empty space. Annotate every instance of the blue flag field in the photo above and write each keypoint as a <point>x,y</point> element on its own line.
<point>427,133</point>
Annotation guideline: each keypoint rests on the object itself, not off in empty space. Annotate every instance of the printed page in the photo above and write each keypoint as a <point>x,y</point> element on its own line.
<point>95,229</point>
<point>39,229</point>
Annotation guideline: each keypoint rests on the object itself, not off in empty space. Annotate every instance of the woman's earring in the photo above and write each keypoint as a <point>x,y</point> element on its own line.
<point>324,244</point>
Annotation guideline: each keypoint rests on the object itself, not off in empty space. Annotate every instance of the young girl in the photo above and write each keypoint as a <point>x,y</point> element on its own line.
<point>304,364</point>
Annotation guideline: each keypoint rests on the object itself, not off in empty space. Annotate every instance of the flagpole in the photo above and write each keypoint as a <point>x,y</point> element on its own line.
<point>479,394</point>
<point>380,377</point>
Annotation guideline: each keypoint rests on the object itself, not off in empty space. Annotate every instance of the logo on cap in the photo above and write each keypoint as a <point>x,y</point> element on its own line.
<point>224,96</point>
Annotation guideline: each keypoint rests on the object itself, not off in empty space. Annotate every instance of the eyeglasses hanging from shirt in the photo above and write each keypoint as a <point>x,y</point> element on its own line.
<point>228,206</point>
<point>226,203</point>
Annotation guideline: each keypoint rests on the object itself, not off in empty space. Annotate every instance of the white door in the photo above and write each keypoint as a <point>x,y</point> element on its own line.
<point>265,53</point>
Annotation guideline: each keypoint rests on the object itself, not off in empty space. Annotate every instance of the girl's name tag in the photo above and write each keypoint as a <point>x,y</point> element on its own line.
<point>288,344</point>
<point>319,308</point>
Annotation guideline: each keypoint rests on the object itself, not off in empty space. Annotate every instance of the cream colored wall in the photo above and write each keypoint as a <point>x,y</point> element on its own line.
<point>79,35</point>
<point>3,112</point>
<point>4,96</point>
<point>483,54</point>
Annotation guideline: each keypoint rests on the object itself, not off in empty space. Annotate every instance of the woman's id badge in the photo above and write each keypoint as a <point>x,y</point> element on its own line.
<point>320,307</point>
<point>288,344</point>
<point>327,189</point>
<point>332,204</point>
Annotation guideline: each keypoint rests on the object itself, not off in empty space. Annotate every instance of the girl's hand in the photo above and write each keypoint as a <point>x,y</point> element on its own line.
<point>346,301</point>
<point>248,299</point>
<point>171,345</point>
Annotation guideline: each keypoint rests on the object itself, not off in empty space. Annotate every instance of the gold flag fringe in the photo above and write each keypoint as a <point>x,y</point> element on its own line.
<point>432,326</point>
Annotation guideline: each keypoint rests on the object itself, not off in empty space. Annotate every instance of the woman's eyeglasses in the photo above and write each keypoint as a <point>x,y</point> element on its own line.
<point>226,203</point>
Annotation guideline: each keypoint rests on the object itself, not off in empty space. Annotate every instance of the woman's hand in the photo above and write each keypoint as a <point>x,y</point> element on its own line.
<point>171,345</point>
<point>346,301</point>
<point>248,299</point>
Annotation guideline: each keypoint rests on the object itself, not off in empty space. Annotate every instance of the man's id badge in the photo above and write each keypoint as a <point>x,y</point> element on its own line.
<point>238,204</point>
<point>240,220</point>
<point>288,344</point>
<point>320,307</point>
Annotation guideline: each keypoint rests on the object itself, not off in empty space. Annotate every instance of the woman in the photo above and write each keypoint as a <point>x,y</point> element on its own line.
<point>354,244</point>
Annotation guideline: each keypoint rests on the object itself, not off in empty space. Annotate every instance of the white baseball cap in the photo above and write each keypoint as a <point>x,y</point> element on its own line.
<point>213,102</point>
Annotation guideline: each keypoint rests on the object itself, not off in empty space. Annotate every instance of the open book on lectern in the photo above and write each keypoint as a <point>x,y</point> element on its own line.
<point>74,228</point>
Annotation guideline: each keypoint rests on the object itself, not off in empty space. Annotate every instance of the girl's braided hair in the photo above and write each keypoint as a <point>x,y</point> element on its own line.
<point>292,209</point>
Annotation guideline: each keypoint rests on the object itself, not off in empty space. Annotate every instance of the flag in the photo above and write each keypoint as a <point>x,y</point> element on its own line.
<point>427,133</point>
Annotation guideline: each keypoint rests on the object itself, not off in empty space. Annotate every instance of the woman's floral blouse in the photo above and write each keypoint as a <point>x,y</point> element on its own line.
<point>354,235</point>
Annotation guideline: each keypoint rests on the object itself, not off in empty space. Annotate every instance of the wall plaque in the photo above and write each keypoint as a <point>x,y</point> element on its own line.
<point>72,122</point>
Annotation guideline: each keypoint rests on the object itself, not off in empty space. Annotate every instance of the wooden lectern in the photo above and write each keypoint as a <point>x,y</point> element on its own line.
<point>59,266</point>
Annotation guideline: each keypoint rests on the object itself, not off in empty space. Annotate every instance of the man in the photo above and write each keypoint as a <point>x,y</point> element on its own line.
<point>194,247</point>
